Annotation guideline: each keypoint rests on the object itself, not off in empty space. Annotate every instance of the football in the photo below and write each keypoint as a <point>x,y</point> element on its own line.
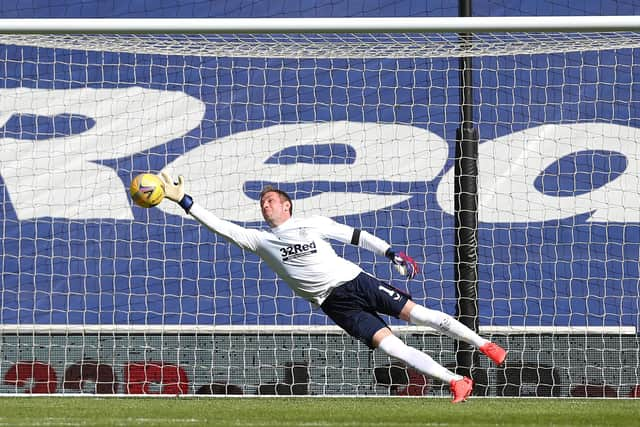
<point>147,190</point>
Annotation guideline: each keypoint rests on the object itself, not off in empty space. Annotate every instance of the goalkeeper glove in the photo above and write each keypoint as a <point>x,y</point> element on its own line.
<point>175,191</point>
<point>403,263</point>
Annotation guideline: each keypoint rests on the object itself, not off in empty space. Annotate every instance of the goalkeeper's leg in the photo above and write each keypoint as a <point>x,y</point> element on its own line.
<point>460,386</point>
<point>416,359</point>
<point>449,326</point>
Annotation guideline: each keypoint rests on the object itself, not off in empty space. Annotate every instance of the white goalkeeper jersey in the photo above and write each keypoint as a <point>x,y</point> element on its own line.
<point>298,250</point>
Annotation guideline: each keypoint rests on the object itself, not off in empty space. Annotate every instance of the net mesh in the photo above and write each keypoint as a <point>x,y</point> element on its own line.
<point>424,45</point>
<point>359,127</point>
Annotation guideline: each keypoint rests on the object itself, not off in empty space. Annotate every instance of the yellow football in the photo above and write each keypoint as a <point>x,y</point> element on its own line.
<point>147,190</point>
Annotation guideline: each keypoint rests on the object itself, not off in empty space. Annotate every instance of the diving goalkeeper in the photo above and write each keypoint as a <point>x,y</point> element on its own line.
<point>298,250</point>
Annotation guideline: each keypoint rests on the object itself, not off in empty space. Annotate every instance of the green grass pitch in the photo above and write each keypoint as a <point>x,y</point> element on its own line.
<point>314,412</point>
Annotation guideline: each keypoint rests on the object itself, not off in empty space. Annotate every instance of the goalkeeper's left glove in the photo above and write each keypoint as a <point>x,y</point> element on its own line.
<point>403,263</point>
<point>175,191</point>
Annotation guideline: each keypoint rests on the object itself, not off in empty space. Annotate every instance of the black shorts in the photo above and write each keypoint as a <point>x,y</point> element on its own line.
<point>355,305</point>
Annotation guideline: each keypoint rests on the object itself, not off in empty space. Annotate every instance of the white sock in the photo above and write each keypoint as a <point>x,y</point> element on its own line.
<point>445,324</point>
<point>416,359</point>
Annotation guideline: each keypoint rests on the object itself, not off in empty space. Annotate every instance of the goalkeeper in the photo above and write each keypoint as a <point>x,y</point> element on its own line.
<point>298,251</point>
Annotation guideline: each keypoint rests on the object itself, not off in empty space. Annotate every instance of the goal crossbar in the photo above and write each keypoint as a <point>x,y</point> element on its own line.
<point>324,25</point>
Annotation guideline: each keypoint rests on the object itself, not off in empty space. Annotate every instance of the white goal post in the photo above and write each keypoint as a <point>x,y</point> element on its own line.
<point>355,117</point>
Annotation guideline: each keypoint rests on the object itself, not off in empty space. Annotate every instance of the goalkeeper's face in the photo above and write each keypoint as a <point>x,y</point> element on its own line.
<point>275,208</point>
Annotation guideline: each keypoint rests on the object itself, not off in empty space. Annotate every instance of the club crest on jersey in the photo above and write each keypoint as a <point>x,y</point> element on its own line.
<point>297,250</point>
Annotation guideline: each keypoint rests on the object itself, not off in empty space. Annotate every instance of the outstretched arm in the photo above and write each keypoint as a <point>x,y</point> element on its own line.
<point>403,263</point>
<point>245,238</point>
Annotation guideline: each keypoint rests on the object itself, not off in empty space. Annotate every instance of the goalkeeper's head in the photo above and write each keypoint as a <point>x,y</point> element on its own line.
<point>276,206</point>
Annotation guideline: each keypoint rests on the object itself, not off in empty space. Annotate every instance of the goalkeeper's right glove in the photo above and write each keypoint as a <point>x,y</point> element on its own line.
<point>175,191</point>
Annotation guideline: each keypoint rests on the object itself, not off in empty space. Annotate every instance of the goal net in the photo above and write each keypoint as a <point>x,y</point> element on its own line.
<point>100,296</point>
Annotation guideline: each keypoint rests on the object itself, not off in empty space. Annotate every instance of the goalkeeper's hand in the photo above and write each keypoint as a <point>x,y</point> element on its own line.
<point>175,191</point>
<point>403,263</point>
<point>172,190</point>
